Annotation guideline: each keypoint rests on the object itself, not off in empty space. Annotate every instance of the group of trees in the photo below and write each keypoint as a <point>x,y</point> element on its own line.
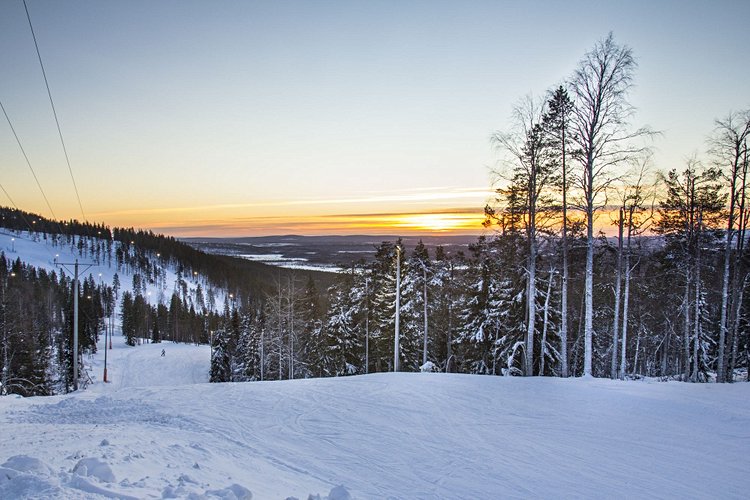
<point>599,265</point>
<point>169,299</point>
<point>37,341</point>
<point>575,151</point>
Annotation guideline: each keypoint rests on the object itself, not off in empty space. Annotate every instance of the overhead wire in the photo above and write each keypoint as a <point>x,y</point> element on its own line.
<point>23,151</point>
<point>21,213</point>
<point>54,112</point>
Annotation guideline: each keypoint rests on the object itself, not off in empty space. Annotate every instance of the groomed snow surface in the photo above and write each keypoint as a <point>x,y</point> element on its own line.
<point>159,430</point>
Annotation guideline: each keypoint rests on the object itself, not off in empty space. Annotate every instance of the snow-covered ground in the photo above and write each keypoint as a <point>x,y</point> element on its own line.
<point>38,250</point>
<point>158,430</point>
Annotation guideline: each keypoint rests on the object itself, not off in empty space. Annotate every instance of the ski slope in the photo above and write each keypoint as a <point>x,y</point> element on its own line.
<point>38,250</point>
<point>158,430</point>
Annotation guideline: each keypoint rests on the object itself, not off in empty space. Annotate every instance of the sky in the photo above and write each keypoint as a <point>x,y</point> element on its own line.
<point>218,118</point>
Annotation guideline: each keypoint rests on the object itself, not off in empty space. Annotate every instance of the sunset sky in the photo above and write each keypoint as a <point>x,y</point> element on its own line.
<point>324,117</point>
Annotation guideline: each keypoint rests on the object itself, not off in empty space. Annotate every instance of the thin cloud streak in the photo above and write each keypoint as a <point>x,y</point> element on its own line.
<point>421,196</point>
<point>465,220</point>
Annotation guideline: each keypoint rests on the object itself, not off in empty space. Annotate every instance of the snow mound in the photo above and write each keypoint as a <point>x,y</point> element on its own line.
<point>90,489</point>
<point>429,367</point>
<point>233,492</point>
<point>104,409</point>
<point>339,493</point>
<point>14,484</point>
<point>25,463</point>
<point>183,490</point>
<point>336,493</point>
<point>93,467</point>
<point>22,476</point>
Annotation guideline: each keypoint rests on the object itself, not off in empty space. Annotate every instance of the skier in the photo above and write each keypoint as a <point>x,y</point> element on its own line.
<point>163,353</point>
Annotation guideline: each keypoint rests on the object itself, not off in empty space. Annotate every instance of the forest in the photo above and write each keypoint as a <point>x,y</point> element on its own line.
<point>598,263</point>
<point>594,262</point>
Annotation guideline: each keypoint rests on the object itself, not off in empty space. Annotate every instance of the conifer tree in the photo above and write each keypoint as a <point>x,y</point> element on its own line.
<point>690,211</point>
<point>557,125</point>
<point>221,361</point>
<point>342,342</point>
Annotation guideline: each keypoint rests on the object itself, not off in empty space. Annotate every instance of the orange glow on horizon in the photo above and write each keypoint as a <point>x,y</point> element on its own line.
<point>457,221</point>
<point>460,221</point>
<point>435,210</point>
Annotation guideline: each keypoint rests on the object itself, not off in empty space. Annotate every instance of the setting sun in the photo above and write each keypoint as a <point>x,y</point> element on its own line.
<point>440,222</point>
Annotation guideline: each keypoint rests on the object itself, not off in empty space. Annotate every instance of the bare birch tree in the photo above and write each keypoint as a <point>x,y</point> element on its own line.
<point>729,147</point>
<point>604,140</point>
<point>636,214</point>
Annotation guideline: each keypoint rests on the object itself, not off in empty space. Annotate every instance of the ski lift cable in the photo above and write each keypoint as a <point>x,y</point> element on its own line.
<point>32,230</point>
<point>23,151</point>
<point>54,112</point>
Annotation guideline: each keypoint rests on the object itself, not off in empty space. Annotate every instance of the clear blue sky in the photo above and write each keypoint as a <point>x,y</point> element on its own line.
<point>258,111</point>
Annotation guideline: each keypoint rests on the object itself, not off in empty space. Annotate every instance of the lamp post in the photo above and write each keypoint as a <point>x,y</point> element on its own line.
<point>106,304</point>
<point>398,309</point>
<point>76,275</point>
<point>75,328</point>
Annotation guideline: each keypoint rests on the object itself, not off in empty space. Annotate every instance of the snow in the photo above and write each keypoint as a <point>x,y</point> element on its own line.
<point>96,468</point>
<point>270,257</point>
<point>159,431</point>
<point>38,250</point>
<point>428,367</point>
<point>296,263</point>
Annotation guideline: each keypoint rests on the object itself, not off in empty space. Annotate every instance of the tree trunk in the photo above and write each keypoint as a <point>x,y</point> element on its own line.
<point>424,347</point>
<point>723,327</point>
<point>589,294</point>
<point>546,321</point>
<point>291,327</point>
<point>626,302</point>
<point>686,339</point>
<point>736,328</point>
<point>721,360</point>
<point>740,275</point>
<point>665,352</point>
<point>697,305</point>
<point>564,299</point>
<point>530,327</point>
<point>618,293</point>
<point>637,349</point>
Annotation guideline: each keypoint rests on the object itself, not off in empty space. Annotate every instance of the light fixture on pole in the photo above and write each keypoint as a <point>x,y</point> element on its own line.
<point>75,317</point>
<point>106,305</point>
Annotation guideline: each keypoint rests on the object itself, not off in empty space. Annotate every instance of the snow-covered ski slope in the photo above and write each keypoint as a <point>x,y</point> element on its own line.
<point>39,251</point>
<point>159,431</point>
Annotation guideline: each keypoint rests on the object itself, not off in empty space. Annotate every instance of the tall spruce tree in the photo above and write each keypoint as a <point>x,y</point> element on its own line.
<point>557,124</point>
